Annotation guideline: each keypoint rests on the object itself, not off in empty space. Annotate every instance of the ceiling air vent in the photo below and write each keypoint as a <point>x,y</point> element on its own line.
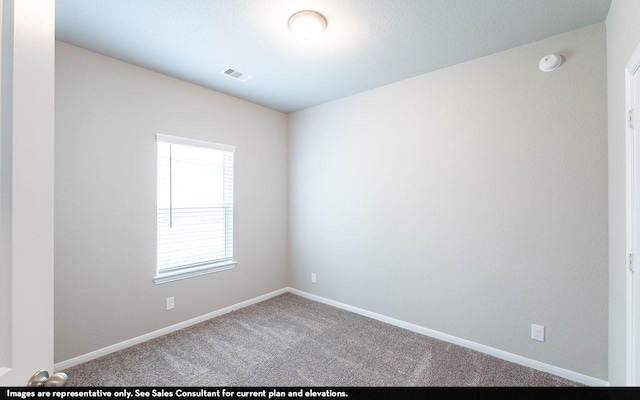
<point>235,74</point>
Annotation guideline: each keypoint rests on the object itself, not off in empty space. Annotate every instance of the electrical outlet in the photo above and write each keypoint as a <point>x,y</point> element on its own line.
<point>537,332</point>
<point>171,303</point>
<point>313,278</point>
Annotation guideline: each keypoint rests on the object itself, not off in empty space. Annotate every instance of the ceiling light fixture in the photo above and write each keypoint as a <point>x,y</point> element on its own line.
<point>550,62</point>
<point>307,25</point>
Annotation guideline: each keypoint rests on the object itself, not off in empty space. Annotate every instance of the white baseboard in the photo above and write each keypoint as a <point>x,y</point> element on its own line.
<point>514,358</point>
<point>527,362</point>
<point>152,335</point>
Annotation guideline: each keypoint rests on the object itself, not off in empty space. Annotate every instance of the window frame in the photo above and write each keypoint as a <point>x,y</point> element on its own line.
<point>177,273</point>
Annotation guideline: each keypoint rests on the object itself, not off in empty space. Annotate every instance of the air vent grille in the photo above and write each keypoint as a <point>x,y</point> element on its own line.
<point>235,74</point>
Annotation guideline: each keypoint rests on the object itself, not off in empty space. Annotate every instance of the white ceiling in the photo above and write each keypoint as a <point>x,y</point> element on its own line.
<point>368,43</point>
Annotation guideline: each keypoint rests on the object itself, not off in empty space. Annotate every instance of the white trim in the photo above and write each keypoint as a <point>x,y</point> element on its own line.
<point>194,142</point>
<point>152,335</point>
<point>632,326</point>
<point>191,272</point>
<point>5,192</point>
<point>527,362</point>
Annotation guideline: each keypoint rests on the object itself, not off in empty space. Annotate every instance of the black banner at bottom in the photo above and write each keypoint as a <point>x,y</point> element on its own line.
<point>273,393</point>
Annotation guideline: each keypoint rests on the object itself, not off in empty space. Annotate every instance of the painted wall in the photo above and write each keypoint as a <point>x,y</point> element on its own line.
<point>107,113</point>
<point>623,36</point>
<point>471,200</point>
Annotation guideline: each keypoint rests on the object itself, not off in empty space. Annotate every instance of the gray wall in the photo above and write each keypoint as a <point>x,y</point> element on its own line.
<point>623,36</point>
<point>107,113</point>
<point>471,200</point>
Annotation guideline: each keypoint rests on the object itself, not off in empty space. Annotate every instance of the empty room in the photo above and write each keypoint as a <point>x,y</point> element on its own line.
<point>306,193</point>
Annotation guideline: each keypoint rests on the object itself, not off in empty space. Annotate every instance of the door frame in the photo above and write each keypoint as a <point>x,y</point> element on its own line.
<point>27,191</point>
<point>632,78</point>
<point>5,215</point>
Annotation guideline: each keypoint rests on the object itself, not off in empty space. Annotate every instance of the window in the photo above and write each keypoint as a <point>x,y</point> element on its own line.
<point>194,208</point>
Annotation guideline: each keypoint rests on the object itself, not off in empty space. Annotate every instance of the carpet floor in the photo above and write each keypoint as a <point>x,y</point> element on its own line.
<point>289,340</point>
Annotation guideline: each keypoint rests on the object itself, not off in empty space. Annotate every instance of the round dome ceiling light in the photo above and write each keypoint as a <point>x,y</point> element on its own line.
<point>307,25</point>
<point>550,62</point>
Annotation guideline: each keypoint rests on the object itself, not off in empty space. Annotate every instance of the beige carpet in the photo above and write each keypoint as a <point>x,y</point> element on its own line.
<point>292,341</point>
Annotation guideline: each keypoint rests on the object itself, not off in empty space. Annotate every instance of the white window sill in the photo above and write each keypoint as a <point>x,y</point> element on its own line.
<point>196,271</point>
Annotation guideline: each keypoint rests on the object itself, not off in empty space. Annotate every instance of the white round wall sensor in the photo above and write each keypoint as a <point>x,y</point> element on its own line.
<point>550,62</point>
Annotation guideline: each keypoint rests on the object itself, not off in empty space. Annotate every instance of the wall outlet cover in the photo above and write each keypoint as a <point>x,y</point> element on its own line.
<point>537,332</point>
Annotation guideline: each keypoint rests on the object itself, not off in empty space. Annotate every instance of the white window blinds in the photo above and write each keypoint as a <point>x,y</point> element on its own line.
<point>194,205</point>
